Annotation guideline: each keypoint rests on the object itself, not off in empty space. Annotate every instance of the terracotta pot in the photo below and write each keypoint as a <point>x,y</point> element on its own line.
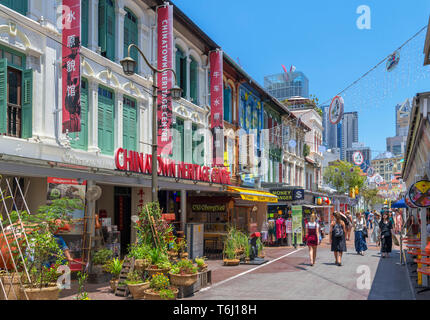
<point>203,268</point>
<point>141,264</point>
<point>152,295</point>
<point>48,293</point>
<point>184,255</point>
<point>185,280</point>
<point>151,271</point>
<point>114,284</point>
<point>231,262</point>
<point>138,290</point>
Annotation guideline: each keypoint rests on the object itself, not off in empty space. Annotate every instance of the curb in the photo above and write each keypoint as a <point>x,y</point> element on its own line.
<point>414,296</point>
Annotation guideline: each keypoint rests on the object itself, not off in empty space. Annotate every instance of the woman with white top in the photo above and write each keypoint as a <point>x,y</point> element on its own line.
<point>312,237</point>
<point>360,240</point>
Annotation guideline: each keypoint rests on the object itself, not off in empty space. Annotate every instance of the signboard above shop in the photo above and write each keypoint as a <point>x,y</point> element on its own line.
<point>289,194</point>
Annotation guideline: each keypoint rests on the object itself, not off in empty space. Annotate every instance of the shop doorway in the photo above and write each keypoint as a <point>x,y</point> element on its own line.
<point>122,205</point>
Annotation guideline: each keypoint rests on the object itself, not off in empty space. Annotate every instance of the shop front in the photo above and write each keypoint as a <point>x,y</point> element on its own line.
<point>245,209</point>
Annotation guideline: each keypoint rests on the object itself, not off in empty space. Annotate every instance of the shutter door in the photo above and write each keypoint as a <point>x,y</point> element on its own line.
<point>27,105</point>
<point>84,22</point>
<point>109,128</point>
<point>129,128</point>
<point>3,96</point>
<point>110,34</point>
<point>82,142</point>
<point>106,121</point>
<point>102,25</point>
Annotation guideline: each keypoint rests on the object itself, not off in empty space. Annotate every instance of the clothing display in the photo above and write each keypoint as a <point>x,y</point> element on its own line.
<point>281,229</point>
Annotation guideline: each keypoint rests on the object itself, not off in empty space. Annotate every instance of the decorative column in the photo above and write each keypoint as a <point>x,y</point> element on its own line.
<point>93,103</point>
<point>119,32</point>
<point>93,32</point>
<point>183,209</point>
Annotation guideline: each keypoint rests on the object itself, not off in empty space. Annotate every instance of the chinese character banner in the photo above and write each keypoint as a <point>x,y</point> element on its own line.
<point>165,79</point>
<point>71,73</point>
<point>217,105</point>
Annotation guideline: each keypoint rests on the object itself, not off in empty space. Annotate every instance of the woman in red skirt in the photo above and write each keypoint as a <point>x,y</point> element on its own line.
<point>312,239</point>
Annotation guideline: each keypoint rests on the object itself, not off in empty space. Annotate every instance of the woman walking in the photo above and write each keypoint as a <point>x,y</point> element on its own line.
<point>337,238</point>
<point>386,240</point>
<point>376,233</point>
<point>312,237</point>
<point>360,240</point>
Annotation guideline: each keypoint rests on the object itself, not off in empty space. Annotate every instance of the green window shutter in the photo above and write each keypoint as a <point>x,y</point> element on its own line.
<point>84,22</point>
<point>130,34</point>
<point>179,142</point>
<point>198,139</point>
<point>106,121</point>
<point>194,76</point>
<point>227,103</point>
<point>27,104</point>
<point>181,71</point>
<point>82,142</point>
<point>17,5</point>
<point>102,25</point>
<point>129,124</point>
<point>110,30</point>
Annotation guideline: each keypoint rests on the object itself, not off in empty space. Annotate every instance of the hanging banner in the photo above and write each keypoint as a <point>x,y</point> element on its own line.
<point>69,188</point>
<point>335,112</point>
<point>165,79</point>
<point>358,158</point>
<point>70,66</point>
<point>392,61</point>
<point>297,227</point>
<point>217,105</point>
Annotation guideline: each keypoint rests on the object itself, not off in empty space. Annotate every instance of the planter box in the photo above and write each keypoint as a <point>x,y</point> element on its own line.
<point>203,280</point>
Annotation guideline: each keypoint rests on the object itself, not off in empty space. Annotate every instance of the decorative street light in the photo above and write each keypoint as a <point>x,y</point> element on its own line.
<point>129,65</point>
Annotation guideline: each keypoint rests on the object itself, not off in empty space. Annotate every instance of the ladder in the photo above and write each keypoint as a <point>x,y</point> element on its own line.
<point>127,266</point>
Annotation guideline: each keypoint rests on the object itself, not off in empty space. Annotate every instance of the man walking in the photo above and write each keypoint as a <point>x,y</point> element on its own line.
<point>370,220</point>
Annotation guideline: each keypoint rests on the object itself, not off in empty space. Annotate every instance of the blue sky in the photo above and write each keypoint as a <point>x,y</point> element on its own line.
<point>321,39</point>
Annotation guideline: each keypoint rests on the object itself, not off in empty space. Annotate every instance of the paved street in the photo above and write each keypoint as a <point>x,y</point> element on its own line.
<point>291,277</point>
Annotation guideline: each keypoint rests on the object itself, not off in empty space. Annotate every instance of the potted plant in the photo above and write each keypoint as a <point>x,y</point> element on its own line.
<point>160,289</point>
<point>140,253</point>
<point>45,257</point>
<point>182,247</point>
<point>114,267</point>
<point>260,248</point>
<point>159,262</point>
<point>184,273</point>
<point>201,264</point>
<point>99,259</point>
<point>230,258</point>
<point>136,284</point>
<point>82,295</point>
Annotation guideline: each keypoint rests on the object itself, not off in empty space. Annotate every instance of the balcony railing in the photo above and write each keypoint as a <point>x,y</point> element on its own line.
<point>13,120</point>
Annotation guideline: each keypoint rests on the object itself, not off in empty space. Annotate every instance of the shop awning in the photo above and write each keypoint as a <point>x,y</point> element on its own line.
<point>254,195</point>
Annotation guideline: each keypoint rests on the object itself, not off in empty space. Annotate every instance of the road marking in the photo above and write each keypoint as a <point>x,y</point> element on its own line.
<point>248,271</point>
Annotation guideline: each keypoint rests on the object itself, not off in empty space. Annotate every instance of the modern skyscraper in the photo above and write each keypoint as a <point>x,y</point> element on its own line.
<point>396,145</point>
<point>286,85</point>
<point>349,132</point>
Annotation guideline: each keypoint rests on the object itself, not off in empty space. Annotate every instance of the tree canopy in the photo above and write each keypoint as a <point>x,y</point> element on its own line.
<point>343,176</point>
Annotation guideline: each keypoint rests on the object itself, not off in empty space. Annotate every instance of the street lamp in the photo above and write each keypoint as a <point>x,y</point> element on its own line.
<point>129,65</point>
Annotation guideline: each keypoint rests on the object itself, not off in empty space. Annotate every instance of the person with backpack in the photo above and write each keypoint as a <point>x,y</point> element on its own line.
<point>360,234</point>
<point>337,238</point>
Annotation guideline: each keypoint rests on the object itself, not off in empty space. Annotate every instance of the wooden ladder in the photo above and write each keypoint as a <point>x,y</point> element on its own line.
<point>122,288</point>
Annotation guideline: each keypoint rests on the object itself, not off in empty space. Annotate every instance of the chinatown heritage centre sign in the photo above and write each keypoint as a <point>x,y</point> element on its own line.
<point>128,160</point>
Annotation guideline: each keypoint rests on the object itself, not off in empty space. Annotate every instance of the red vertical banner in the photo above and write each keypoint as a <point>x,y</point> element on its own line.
<point>217,106</point>
<point>70,65</point>
<point>165,79</point>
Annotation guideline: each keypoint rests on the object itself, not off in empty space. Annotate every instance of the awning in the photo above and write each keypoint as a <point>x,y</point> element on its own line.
<point>254,195</point>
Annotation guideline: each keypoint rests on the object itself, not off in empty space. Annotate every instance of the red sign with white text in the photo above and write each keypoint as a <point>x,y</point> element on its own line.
<point>217,106</point>
<point>128,160</point>
<point>71,73</point>
<point>165,79</point>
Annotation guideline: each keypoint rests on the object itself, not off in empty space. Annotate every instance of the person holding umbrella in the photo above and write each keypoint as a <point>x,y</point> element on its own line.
<point>360,229</point>
<point>337,238</point>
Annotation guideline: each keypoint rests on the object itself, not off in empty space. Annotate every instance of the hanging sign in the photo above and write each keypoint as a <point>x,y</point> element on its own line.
<point>165,79</point>
<point>357,158</point>
<point>335,113</point>
<point>370,172</point>
<point>378,179</point>
<point>392,61</point>
<point>297,214</point>
<point>71,66</point>
<point>292,143</point>
<point>419,193</point>
<point>217,105</point>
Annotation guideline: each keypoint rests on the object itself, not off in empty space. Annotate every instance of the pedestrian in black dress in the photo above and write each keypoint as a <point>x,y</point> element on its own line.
<point>337,238</point>
<point>386,239</point>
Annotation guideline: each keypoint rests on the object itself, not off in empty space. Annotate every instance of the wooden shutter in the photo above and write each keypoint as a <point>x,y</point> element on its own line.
<point>130,126</point>
<point>106,121</point>
<point>82,142</point>
<point>194,76</point>
<point>227,100</point>
<point>110,30</point>
<point>84,22</point>
<point>131,35</point>
<point>3,96</point>
<point>27,104</point>
<point>17,5</point>
<point>102,25</point>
